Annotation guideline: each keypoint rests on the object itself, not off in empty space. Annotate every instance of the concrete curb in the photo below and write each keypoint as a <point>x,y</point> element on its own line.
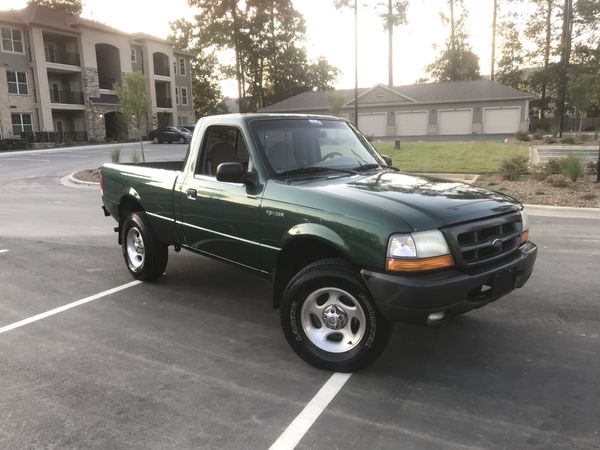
<point>71,181</point>
<point>562,211</point>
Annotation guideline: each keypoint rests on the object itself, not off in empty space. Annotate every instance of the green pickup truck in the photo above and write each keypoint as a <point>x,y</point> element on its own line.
<point>351,244</point>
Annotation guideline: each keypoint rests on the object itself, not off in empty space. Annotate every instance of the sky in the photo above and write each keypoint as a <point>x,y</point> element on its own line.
<point>330,33</point>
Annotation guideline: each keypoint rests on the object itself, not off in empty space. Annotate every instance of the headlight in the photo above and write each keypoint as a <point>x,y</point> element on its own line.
<point>525,229</point>
<point>423,250</point>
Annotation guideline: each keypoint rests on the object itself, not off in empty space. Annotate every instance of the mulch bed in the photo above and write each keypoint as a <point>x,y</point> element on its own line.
<point>582,193</point>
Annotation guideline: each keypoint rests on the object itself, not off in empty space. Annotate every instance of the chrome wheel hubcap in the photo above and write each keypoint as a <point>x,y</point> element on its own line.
<point>333,320</point>
<point>136,251</point>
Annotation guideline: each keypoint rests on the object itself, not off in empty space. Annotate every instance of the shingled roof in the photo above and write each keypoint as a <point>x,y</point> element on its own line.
<point>428,93</point>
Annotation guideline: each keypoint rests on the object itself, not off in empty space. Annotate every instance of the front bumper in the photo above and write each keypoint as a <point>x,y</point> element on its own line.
<point>412,298</point>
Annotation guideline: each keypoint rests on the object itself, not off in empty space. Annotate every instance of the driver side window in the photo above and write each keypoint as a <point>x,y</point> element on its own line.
<point>222,144</point>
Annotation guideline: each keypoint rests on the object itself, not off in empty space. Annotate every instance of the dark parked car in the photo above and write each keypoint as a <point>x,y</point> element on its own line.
<point>171,134</point>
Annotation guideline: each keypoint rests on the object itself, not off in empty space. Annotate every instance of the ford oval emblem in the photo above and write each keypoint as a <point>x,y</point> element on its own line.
<point>497,243</point>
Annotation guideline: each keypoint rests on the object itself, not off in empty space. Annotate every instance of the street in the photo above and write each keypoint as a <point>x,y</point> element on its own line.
<point>198,359</point>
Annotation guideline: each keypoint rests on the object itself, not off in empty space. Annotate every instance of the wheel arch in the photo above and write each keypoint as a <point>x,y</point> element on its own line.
<point>128,204</point>
<point>299,252</point>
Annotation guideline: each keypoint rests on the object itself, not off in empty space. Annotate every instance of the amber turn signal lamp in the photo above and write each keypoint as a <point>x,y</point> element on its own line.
<point>418,265</point>
<point>525,236</point>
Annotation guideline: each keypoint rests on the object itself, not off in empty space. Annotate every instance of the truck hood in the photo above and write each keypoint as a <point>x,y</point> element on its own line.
<point>422,202</point>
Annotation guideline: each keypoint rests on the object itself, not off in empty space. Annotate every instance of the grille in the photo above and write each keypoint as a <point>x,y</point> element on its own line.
<point>485,241</point>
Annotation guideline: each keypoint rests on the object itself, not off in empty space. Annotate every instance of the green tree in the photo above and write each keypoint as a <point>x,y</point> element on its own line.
<point>335,100</point>
<point>207,97</point>
<point>134,102</point>
<point>270,62</point>
<point>457,61</point>
<point>512,54</point>
<point>72,7</point>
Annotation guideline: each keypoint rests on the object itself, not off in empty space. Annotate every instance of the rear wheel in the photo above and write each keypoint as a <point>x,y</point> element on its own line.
<point>330,320</point>
<point>181,140</point>
<point>146,257</point>
<point>156,140</point>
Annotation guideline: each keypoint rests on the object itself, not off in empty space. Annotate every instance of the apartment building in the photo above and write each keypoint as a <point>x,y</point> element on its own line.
<point>57,74</point>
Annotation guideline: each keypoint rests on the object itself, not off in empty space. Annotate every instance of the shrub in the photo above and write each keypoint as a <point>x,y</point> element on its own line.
<point>557,180</point>
<point>540,193</point>
<point>538,136</point>
<point>592,168</point>
<point>552,167</point>
<point>539,172</point>
<point>512,168</point>
<point>115,155</point>
<point>568,140</point>
<point>135,157</point>
<point>549,140</point>
<point>589,196</point>
<point>571,166</point>
<point>522,136</point>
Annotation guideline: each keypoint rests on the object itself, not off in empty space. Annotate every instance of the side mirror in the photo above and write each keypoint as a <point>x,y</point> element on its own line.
<point>233,172</point>
<point>387,159</point>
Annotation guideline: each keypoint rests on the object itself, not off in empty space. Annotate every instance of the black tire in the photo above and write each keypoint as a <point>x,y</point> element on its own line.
<point>330,290</point>
<point>156,140</point>
<point>145,256</point>
<point>181,140</point>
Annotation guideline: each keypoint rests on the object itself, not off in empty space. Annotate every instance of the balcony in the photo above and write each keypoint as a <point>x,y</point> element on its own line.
<point>66,97</point>
<point>62,57</point>
<point>164,103</point>
<point>162,71</point>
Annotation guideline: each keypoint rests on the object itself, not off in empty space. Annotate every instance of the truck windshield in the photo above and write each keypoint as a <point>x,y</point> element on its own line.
<point>298,146</point>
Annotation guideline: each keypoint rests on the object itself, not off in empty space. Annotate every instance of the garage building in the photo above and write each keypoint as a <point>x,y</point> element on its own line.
<point>447,108</point>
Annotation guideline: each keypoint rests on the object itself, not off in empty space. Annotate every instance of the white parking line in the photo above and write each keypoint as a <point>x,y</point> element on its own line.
<point>66,307</point>
<point>3,251</point>
<point>311,412</point>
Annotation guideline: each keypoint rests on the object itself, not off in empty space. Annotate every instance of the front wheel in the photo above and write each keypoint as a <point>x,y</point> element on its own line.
<point>146,257</point>
<point>156,140</point>
<point>330,320</point>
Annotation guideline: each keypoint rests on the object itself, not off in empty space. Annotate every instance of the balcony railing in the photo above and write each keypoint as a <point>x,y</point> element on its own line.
<point>161,70</point>
<point>60,57</point>
<point>164,103</point>
<point>68,97</point>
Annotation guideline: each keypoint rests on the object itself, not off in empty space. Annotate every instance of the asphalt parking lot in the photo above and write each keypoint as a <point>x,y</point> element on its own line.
<point>198,360</point>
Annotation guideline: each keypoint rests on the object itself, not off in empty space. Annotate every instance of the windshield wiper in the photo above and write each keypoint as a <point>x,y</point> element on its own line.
<point>314,169</point>
<point>367,167</point>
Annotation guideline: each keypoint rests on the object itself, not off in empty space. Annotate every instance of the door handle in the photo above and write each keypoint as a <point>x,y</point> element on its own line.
<point>192,194</point>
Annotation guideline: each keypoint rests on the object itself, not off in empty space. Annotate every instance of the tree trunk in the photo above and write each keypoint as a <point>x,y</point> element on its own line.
<point>546,55</point>
<point>452,33</point>
<point>565,56</point>
<point>494,40</point>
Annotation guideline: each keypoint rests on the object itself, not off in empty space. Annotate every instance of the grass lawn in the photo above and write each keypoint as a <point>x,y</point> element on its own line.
<point>451,157</point>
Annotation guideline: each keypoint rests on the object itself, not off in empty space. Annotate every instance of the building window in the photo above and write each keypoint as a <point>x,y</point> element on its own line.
<point>181,66</point>
<point>177,96</point>
<point>12,40</point>
<point>21,123</point>
<point>17,82</point>
<point>175,67</point>
<point>133,55</point>
<point>184,96</point>
<point>182,121</point>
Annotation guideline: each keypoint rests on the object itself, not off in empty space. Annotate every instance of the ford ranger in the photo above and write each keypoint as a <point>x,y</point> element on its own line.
<point>350,243</point>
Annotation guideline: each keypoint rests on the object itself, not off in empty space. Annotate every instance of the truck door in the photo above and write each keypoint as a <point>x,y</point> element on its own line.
<point>218,218</point>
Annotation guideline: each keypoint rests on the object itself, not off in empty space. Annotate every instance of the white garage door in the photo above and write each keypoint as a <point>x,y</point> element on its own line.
<point>412,123</point>
<point>455,122</point>
<point>501,120</point>
<point>372,124</point>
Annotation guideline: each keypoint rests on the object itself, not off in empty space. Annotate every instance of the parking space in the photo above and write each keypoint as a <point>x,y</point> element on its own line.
<point>198,360</point>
